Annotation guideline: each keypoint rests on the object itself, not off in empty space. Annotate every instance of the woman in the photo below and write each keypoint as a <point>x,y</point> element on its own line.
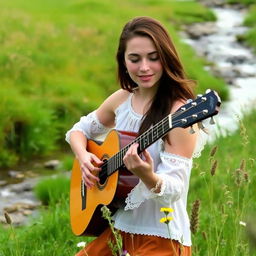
<point>153,85</point>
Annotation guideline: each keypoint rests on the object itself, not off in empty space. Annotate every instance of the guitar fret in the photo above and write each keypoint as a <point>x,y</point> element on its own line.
<point>144,140</point>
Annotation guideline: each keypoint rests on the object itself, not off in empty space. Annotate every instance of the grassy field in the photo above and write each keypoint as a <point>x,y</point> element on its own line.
<point>222,180</point>
<point>57,61</point>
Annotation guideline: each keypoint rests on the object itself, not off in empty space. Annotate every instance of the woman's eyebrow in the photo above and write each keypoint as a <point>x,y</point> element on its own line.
<point>136,54</point>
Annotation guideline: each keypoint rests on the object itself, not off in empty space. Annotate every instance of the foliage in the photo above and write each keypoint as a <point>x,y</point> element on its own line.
<point>57,62</point>
<point>250,36</point>
<point>225,191</point>
<point>245,2</point>
<point>223,180</point>
<point>53,189</point>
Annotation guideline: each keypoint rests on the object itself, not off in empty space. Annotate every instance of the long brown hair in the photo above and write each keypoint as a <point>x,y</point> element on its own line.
<point>173,84</point>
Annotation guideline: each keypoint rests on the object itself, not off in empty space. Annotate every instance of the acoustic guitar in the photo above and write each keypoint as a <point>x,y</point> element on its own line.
<point>116,181</point>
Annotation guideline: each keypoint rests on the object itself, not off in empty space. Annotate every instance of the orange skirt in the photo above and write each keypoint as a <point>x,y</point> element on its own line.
<point>136,245</point>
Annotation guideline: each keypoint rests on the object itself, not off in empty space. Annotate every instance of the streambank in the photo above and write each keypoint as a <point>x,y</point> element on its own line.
<point>228,58</point>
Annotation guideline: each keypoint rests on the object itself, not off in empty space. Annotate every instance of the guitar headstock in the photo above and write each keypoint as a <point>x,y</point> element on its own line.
<point>203,107</point>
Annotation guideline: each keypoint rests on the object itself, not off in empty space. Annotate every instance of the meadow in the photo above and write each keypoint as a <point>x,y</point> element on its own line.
<point>221,205</point>
<point>57,61</point>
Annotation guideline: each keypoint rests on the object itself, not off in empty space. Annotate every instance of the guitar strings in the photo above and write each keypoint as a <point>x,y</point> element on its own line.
<point>162,124</point>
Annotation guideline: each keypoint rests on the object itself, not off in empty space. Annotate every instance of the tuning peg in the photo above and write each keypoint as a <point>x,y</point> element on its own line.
<point>199,95</point>
<point>208,90</point>
<point>191,131</point>
<point>201,126</point>
<point>212,121</point>
<point>189,100</point>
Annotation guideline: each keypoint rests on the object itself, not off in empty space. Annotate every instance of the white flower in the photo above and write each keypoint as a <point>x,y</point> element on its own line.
<point>242,223</point>
<point>81,244</point>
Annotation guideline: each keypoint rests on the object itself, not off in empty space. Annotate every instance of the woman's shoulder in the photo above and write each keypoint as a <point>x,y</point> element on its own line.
<point>106,111</point>
<point>117,98</point>
<point>108,107</point>
<point>121,95</point>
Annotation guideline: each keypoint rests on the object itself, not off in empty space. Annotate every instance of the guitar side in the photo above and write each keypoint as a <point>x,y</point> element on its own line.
<point>85,203</point>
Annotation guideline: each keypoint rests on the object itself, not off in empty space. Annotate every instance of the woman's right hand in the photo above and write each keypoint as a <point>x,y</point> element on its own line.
<point>89,164</point>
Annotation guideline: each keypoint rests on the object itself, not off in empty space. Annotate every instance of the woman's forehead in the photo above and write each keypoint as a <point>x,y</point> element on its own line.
<point>140,44</point>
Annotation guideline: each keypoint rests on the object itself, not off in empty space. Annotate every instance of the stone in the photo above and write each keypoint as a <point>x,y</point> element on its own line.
<point>52,164</point>
<point>198,30</point>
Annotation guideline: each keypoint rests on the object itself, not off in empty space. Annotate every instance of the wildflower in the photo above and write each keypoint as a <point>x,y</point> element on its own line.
<point>81,244</point>
<point>242,223</point>
<point>166,220</point>
<point>116,246</point>
<point>166,210</point>
<point>125,253</point>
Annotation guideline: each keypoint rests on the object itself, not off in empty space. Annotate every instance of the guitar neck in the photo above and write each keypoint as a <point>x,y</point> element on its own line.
<point>194,111</point>
<point>146,139</point>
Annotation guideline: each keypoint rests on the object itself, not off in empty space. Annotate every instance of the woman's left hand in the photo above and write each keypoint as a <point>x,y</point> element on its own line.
<point>138,166</point>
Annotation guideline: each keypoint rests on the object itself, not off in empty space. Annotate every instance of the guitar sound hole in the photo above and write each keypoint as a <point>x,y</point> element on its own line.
<point>103,179</point>
<point>103,174</point>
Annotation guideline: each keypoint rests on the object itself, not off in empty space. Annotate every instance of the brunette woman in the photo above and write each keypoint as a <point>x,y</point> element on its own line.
<point>153,85</point>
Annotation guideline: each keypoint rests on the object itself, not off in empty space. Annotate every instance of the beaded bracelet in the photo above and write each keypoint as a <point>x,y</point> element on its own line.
<point>157,186</point>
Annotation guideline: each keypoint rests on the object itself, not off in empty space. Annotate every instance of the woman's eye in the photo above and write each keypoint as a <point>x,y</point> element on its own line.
<point>155,58</point>
<point>134,60</point>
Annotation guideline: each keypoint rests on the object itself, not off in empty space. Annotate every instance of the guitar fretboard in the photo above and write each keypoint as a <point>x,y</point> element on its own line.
<point>144,140</point>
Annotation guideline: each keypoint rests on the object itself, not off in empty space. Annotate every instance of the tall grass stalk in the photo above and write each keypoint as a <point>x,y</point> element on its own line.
<point>226,197</point>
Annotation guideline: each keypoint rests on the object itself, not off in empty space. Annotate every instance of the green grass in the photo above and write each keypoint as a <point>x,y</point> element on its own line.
<point>249,38</point>
<point>52,190</point>
<point>57,62</point>
<point>226,194</point>
<point>250,21</point>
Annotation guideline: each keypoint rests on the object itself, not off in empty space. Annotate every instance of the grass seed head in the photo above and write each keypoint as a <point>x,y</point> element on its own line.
<point>8,218</point>
<point>194,219</point>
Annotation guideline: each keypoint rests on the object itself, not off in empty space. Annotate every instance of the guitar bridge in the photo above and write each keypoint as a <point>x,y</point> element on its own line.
<point>83,195</point>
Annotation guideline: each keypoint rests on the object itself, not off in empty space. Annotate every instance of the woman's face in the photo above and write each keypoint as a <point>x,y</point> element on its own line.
<point>142,62</point>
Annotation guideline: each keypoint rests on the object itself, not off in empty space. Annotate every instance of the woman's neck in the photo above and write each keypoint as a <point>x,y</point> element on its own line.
<point>142,100</point>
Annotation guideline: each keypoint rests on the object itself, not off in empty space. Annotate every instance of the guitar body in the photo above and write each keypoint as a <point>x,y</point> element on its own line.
<point>85,215</point>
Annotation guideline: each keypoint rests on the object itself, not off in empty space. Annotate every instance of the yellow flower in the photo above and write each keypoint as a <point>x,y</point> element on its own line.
<point>166,210</point>
<point>166,220</point>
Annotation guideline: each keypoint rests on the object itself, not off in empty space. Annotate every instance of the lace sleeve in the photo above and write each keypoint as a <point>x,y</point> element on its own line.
<point>174,171</point>
<point>90,126</point>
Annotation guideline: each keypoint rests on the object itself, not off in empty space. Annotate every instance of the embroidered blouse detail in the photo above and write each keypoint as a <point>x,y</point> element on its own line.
<point>90,126</point>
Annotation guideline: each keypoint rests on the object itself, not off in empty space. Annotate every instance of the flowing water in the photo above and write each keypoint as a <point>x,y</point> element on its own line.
<point>233,61</point>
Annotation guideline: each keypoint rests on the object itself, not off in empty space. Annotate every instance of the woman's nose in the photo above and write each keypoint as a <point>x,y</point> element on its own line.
<point>144,65</point>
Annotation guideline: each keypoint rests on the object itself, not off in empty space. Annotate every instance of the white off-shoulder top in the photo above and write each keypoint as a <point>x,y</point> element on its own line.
<point>141,213</point>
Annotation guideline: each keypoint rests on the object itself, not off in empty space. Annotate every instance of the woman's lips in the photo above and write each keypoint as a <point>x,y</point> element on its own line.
<point>145,77</point>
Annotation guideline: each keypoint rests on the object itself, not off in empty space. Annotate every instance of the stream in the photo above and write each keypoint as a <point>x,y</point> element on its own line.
<point>232,61</point>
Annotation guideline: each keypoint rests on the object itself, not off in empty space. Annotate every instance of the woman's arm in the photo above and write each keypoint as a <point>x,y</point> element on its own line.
<point>178,142</point>
<point>89,126</point>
